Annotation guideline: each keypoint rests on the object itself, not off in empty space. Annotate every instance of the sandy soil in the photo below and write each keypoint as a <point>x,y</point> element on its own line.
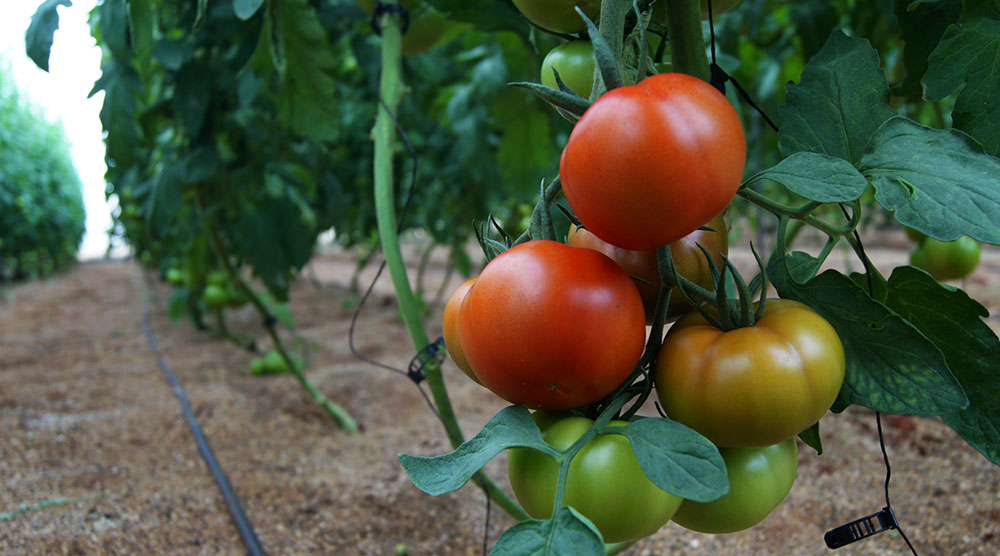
<point>95,457</point>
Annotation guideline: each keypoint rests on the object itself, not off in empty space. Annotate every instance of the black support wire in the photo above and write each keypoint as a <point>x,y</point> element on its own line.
<point>239,517</point>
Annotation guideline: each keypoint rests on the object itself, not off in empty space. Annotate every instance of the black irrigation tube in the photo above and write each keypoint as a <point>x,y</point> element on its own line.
<point>240,519</point>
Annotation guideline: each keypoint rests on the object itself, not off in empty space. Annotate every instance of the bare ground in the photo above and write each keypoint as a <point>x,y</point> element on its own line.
<point>95,457</point>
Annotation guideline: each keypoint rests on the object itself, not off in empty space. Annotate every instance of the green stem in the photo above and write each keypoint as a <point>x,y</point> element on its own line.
<point>337,413</point>
<point>384,134</point>
<point>687,44</point>
<point>612,27</point>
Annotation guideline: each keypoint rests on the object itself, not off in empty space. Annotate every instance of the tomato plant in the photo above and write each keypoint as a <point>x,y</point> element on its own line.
<point>648,164</point>
<point>946,260</point>
<point>752,386</point>
<point>449,325</point>
<point>550,326</point>
<point>605,482</point>
<point>558,15</point>
<point>759,479</point>
<point>688,257</point>
<point>574,60</point>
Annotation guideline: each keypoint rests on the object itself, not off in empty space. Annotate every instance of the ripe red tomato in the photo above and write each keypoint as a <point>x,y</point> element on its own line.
<point>605,482</point>
<point>452,340</point>
<point>759,479</point>
<point>550,326</point>
<point>575,63</point>
<point>753,386</point>
<point>559,15</point>
<point>688,258</point>
<point>649,163</point>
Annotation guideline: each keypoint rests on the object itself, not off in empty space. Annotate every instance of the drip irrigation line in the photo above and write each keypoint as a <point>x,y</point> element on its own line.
<point>239,517</point>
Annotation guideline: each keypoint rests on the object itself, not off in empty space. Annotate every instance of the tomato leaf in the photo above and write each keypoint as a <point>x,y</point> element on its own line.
<point>818,177</point>
<point>936,181</point>
<point>891,366</point>
<point>842,98</point>
<point>245,9</point>
<point>568,533</point>
<point>954,322</point>
<point>493,15</point>
<point>969,53</point>
<point>178,304</point>
<point>570,102</point>
<point>193,95</point>
<point>38,38</point>
<point>676,458</point>
<point>604,56</point>
<point>512,427</point>
<point>921,26</point>
<point>812,438</point>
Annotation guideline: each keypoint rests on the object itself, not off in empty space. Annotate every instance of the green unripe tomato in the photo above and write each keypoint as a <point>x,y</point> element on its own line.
<point>258,366</point>
<point>214,296</point>
<point>759,479</point>
<point>946,260</point>
<point>574,61</point>
<point>559,15</point>
<point>175,277</point>
<point>235,296</point>
<point>217,278</point>
<point>274,363</point>
<point>605,482</point>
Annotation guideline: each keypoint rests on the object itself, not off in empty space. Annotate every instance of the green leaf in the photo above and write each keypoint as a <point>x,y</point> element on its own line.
<point>568,533</point>
<point>818,177</point>
<point>954,322</point>
<point>274,239</point>
<point>604,56</point>
<point>676,458</point>
<point>245,9</point>
<point>526,149</point>
<point>842,99</point>
<point>921,25</point>
<point>165,201</point>
<point>113,18</point>
<point>936,181</point>
<point>193,95</point>
<point>570,102</point>
<point>969,53</point>
<point>512,427</point>
<point>294,44</point>
<point>489,15</point>
<point>141,28</point>
<point>171,53</point>
<point>812,438</point>
<point>891,366</point>
<point>38,37</point>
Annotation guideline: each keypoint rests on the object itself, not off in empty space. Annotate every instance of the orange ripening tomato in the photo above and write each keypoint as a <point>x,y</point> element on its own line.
<point>641,265</point>
<point>649,163</point>
<point>452,340</point>
<point>550,326</point>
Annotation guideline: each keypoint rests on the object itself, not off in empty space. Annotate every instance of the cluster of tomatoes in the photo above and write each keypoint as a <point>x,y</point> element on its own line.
<point>557,327</point>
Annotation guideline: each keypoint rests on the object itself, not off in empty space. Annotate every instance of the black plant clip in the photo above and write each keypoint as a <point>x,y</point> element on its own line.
<point>861,528</point>
<point>433,351</point>
<point>382,8</point>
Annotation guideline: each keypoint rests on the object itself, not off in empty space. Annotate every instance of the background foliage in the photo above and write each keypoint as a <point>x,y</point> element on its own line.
<point>41,204</point>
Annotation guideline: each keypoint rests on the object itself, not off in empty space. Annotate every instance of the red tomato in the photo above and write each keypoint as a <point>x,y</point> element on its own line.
<point>550,326</point>
<point>688,258</point>
<point>452,339</point>
<point>649,163</point>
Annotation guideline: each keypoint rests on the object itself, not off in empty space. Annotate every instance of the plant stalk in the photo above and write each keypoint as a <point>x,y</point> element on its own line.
<point>384,134</point>
<point>687,43</point>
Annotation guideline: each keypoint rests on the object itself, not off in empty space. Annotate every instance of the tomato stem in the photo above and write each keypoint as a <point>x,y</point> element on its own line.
<point>384,135</point>
<point>687,43</point>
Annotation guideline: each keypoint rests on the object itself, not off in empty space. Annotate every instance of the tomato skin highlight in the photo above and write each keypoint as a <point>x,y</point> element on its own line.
<point>649,163</point>
<point>550,326</point>
<point>687,256</point>
<point>449,325</point>
<point>605,482</point>
<point>759,480</point>
<point>754,386</point>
